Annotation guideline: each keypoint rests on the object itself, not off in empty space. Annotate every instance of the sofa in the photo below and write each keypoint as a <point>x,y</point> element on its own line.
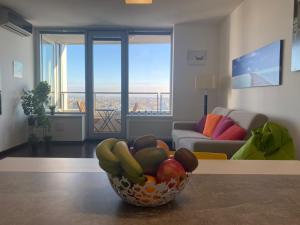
<point>185,136</point>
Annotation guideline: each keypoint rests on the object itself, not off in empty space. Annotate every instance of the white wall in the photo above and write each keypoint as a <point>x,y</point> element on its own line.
<point>13,125</point>
<point>188,102</point>
<point>256,23</point>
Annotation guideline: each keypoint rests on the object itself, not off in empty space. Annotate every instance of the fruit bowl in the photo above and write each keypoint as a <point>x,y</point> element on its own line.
<point>148,195</point>
<point>145,174</point>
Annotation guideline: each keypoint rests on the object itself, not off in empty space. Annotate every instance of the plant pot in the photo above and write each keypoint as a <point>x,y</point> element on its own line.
<point>52,112</point>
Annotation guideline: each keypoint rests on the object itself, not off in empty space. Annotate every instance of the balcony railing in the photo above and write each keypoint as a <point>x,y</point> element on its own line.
<point>138,102</point>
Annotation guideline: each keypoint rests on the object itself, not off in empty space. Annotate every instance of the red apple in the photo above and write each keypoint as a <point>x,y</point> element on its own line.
<point>170,169</point>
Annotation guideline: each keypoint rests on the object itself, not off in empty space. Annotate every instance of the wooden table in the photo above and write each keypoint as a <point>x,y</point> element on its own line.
<point>75,191</point>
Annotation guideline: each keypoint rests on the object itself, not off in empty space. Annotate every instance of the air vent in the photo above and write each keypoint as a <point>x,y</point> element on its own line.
<point>13,22</point>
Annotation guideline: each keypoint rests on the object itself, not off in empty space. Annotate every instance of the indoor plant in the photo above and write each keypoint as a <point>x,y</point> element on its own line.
<point>33,104</point>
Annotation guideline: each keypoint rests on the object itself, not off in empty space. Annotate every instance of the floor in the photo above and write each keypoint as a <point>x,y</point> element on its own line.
<point>56,150</point>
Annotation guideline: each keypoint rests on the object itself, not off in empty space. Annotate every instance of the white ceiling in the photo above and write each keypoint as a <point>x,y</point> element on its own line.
<point>77,13</point>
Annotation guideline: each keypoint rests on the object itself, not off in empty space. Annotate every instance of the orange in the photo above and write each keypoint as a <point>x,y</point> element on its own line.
<point>161,144</point>
<point>152,182</point>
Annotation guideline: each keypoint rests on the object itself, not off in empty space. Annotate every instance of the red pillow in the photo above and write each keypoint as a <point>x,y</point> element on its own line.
<point>212,121</point>
<point>223,125</point>
<point>233,133</point>
<point>200,125</point>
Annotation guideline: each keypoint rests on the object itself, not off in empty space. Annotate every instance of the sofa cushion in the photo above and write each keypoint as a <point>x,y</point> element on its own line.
<point>248,120</point>
<point>200,125</point>
<point>177,135</point>
<point>223,125</point>
<point>221,111</point>
<point>212,121</point>
<point>187,134</point>
<point>234,133</point>
<point>207,145</point>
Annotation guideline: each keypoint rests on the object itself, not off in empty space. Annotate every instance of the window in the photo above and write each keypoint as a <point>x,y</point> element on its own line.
<point>149,74</point>
<point>63,67</point>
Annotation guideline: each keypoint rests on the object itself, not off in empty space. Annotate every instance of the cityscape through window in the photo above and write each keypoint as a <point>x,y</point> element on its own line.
<point>63,66</point>
<point>150,74</point>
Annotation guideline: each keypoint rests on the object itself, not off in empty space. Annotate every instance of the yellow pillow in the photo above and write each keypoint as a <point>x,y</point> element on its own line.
<point>212,121</point>
<point>210,155</point>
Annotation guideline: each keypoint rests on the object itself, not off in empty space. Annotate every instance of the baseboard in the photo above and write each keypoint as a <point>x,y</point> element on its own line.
<point>6,152</point>
<point>68,142</point>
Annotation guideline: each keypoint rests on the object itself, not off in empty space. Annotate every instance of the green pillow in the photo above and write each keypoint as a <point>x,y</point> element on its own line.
<point>270,142</point>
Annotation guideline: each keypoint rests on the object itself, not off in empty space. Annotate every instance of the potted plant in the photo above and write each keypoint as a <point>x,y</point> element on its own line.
<point>44,123</point>
<point>33,103</point>
<point>28,108</point>
<point>52,109</point>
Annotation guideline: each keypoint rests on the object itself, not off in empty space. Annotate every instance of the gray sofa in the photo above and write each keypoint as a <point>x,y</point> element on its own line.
<point>184,136</point>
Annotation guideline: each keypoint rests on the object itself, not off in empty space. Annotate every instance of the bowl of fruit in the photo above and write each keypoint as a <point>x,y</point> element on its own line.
<point>145,174</point>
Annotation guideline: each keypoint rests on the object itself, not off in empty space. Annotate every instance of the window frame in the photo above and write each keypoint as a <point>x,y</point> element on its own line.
<point>84,31</point>
<point>57,51</point>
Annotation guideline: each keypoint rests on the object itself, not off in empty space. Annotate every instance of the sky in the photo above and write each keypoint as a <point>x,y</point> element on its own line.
<point>149,67</point>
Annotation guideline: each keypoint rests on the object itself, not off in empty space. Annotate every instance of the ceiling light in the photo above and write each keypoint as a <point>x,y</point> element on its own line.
<point>138,1</point>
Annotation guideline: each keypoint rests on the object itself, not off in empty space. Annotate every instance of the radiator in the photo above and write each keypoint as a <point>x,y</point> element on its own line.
<point>159,127</point>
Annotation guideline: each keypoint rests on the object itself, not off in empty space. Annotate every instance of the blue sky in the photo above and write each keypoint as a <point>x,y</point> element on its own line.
<point>149,67</point>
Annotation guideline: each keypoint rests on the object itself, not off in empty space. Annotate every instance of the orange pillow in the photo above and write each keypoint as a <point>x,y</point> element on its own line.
<point>212,121</point>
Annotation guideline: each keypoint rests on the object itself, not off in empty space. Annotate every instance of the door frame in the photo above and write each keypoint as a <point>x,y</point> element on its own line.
<point>105,35</point>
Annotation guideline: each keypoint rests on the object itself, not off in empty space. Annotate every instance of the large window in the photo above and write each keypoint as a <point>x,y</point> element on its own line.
<point>149,74</point>
<point>63,67</point>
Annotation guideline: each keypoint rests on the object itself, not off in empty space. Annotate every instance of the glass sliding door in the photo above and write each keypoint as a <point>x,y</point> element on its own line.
<point>106,83</point>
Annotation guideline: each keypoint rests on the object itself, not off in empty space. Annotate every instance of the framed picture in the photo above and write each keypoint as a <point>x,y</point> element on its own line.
<point>262,67</point>
<point>196,57</point>
<point>0,103</point>
<point>18,69</point>
<point>296,37</point>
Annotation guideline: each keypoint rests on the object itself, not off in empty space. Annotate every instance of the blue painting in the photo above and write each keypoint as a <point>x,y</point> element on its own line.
<point>296,37</point>
<point>259,68</point>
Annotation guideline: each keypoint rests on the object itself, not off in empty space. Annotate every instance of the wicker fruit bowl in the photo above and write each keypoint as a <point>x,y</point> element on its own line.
<point>149,194</point>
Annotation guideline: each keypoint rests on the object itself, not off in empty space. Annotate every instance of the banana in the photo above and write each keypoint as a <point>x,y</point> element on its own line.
<point>128,162</point>
<point>104,152</point>
<point>134,179</point>
<point>110,168</point>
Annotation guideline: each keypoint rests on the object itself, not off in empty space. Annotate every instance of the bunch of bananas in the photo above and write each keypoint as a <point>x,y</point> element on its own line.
<point>116,159</point>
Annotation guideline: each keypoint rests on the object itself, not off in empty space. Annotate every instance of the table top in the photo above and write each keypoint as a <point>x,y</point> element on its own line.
<point>36,191</point>
<point>87,199</point>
